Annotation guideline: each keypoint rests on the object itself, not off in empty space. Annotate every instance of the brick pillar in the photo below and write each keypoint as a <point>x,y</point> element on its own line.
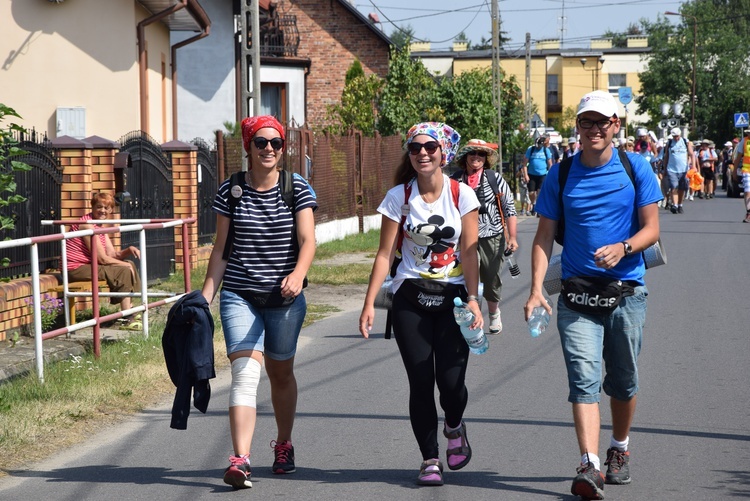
<point>75,159</point>
<point>102,174</point>
<point>184,194</point>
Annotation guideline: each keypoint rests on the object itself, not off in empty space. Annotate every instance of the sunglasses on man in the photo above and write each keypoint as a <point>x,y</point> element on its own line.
<point>261,142</point>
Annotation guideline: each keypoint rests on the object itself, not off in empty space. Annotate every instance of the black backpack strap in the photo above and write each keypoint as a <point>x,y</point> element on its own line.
<point>233,200</point>
<point>492,179</point>
<point>286,184</point>
<point>562,177</point>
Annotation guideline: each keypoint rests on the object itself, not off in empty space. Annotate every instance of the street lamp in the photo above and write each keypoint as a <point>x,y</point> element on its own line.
<point>695,54</point>
<point>670,114</point>
<point>595,71</point>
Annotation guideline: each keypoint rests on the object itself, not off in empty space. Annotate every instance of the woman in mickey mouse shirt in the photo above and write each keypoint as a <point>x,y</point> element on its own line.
<point>437,220</point>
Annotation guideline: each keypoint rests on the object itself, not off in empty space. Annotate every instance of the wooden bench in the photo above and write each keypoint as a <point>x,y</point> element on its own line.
<point>76,287</point>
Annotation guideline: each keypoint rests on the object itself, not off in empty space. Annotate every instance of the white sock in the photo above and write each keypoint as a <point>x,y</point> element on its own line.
<point>588,457</point>
<point>623,446</point>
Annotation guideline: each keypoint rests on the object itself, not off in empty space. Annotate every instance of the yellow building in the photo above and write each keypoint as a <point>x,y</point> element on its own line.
<point>557,77</point>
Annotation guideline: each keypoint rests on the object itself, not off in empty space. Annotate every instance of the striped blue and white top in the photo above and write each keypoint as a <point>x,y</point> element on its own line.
<point>263,251</point>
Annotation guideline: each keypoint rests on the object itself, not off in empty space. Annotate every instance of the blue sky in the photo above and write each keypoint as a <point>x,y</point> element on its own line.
<point>439,21</point>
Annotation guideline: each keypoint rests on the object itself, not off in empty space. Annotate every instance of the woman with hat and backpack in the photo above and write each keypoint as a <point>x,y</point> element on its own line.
<point>497,216</point>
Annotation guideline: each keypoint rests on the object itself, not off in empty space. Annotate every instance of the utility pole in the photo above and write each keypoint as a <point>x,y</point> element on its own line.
<point>249,54</point>
<point>527,86</point>
<point>497,80</point>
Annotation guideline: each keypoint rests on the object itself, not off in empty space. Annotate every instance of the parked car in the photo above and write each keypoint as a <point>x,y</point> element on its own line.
<point>734,183</point>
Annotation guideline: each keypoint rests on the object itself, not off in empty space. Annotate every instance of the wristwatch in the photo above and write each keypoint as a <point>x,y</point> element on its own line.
<point>628,248</point>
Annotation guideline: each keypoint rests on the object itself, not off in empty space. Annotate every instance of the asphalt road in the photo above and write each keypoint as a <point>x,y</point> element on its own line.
<point>690,440</point>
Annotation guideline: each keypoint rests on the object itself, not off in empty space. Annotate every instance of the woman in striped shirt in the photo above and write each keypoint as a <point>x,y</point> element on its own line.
<point>261,302</point>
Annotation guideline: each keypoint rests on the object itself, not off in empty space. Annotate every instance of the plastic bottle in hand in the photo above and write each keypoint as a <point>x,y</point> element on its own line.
<point>512,264</point>
<point>538,321</point>
<point>475,338</point>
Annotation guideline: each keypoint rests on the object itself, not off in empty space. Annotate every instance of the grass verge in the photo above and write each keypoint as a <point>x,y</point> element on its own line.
<point>84,393</point>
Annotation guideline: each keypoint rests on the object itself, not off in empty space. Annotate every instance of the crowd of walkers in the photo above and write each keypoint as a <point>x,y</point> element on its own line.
<point>441,237</point>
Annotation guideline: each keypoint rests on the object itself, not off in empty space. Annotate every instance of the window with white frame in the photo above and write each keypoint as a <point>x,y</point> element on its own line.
<point>617,80</point>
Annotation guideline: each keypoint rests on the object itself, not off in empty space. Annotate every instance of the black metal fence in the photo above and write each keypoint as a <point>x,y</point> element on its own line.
<point>150,187</point>
<point>41,188</point>
<point>208,185</point>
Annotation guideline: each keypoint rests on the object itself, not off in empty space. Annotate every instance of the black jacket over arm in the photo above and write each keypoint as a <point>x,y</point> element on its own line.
<point>189,354</point>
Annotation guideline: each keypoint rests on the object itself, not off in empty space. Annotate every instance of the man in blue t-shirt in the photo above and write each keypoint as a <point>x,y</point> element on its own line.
<point>609,220</point>
<point>538,162</point>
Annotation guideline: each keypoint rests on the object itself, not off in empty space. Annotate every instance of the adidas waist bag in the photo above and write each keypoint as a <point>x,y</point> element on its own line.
<point>595,295</point>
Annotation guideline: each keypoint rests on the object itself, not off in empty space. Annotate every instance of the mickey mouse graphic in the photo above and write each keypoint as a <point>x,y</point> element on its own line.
<point>442,258</point>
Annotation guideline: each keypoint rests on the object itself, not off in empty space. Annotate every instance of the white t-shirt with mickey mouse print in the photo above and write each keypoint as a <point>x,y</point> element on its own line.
<point>430,249</point>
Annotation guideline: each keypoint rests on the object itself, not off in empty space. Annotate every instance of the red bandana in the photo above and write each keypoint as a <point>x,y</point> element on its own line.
<point>251,125</point>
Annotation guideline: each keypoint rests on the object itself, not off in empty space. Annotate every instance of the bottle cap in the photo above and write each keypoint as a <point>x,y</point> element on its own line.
<point>457,301</point>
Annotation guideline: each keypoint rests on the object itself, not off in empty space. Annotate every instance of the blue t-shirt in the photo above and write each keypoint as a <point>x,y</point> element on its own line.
<point>600,210</point>
<point>538,160</point>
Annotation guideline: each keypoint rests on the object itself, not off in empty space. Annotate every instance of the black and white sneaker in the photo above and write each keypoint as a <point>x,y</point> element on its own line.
<point>238,473</point>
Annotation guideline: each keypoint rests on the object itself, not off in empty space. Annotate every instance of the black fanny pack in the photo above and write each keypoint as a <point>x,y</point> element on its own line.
<point>431,295</point>
<point>265,299</point>
<point>595,295</point>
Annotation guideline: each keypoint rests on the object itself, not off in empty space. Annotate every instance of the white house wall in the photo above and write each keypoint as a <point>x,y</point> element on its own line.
<point>294,78</point>
<point>206,76</point>
<point>80,53</point>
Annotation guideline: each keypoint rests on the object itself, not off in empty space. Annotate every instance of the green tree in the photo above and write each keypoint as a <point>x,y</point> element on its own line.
<point>9,151</point>
<point>408,96</point>
<point>401,36</point>
<point>722,68</point>
<point>357,109</point>
<point>354,71</point>
<point>620,39</point>
<point>486,43</point>
<point>568,121</point>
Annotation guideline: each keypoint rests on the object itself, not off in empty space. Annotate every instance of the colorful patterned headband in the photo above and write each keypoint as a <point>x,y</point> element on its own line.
<point>440,132</point>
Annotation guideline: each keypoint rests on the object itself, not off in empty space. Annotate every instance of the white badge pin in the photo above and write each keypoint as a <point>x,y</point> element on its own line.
<point>405,210</point>
<point>237,191</point>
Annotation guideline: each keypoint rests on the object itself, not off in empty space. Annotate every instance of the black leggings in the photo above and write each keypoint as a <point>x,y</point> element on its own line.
<point>433,350</point>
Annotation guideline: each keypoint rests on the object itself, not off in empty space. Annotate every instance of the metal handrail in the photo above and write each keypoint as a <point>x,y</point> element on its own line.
<point>95,322</point>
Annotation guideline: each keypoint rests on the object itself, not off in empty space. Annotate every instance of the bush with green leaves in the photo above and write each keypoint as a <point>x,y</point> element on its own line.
<point>9,151</point>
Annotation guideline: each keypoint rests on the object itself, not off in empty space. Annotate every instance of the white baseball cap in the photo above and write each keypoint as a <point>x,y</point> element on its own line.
<point>676,132</point>
<point>728,144</point>
<point>599,101</point>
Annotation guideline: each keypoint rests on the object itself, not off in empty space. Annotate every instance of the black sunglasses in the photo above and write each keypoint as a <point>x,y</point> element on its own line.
<point>479,153</point>
<point>261,142</point>
<point>430,147</point>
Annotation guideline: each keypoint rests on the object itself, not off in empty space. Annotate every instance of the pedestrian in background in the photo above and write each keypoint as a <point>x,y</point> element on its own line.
<point>429,231</point>
<point>538,162</point>
<point>678,159</point>
<point>609,220</point>
<point>261,302</point>
<point>497,216</point>
<point>523,192</point>
<point>741,160</point>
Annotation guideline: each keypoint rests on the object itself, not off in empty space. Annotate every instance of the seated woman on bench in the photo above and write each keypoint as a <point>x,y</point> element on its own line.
<point>120,275</point>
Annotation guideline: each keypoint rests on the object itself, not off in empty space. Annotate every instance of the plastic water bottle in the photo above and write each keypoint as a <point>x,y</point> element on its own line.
<point>475,338</point>
<point>512,264</point>
<point>538,321</point>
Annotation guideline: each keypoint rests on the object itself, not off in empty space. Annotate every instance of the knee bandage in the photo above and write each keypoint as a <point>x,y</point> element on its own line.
<point>245,379</point>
